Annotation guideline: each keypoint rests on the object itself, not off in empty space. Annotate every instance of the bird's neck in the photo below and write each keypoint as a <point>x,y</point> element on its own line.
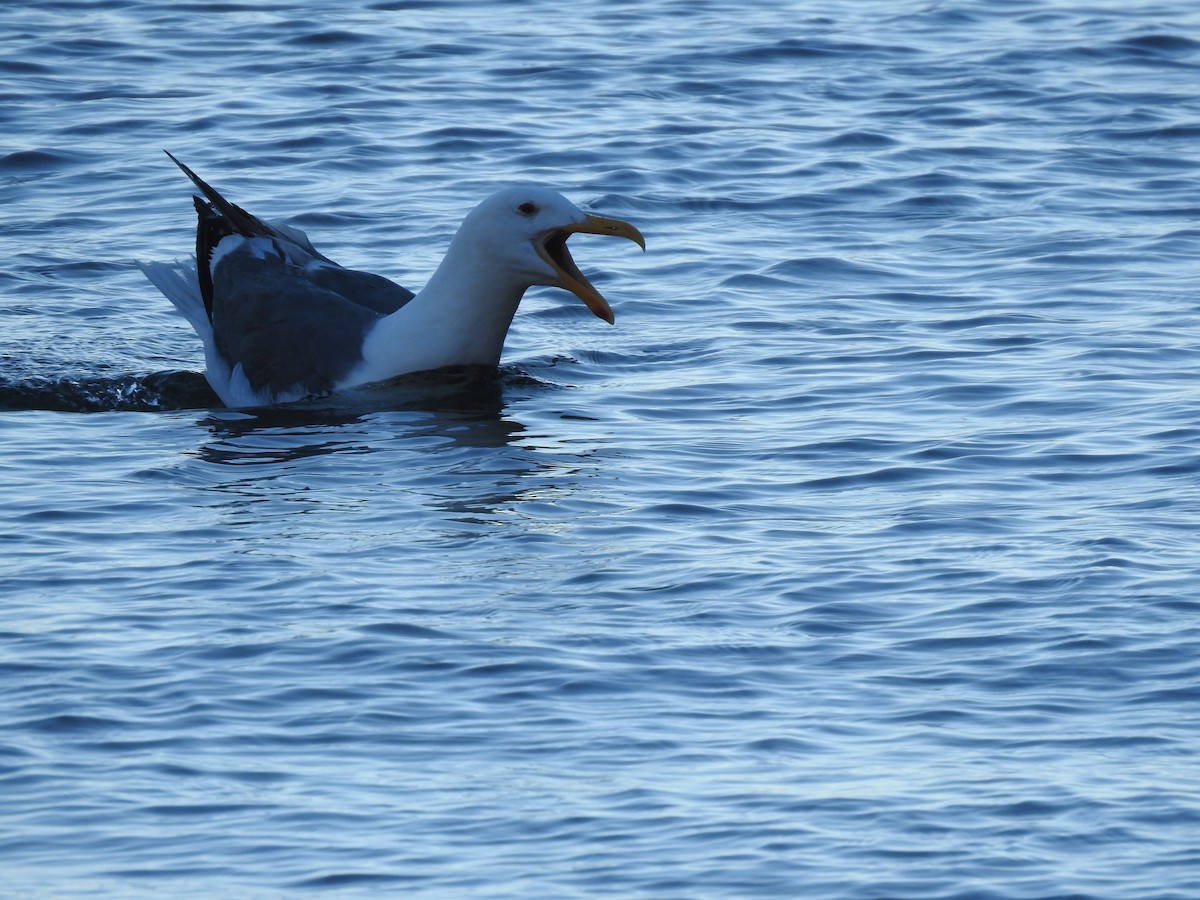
<point>459,318</point>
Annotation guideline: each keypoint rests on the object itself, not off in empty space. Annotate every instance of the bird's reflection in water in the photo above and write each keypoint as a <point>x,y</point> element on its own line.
<point>437,457</point>
<point>461,406</point>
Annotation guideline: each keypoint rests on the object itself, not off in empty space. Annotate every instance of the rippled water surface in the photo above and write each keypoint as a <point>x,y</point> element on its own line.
<point>859,559</point>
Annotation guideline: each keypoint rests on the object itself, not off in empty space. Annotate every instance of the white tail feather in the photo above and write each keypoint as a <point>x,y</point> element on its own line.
<point>178,283</point>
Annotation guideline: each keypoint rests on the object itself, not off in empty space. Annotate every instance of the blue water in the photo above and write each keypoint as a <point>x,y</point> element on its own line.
<point>858,560</point>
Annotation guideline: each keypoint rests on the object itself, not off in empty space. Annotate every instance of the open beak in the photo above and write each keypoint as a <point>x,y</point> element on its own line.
<point>551,246</point>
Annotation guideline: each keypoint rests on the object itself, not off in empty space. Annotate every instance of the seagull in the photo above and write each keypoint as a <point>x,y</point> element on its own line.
<point>281,322</point>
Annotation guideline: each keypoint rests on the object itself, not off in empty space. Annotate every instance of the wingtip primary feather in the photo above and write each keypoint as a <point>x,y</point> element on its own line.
<point>243,222</point>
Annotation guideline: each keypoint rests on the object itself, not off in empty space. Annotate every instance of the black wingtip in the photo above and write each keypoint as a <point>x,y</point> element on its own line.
<point>240,220</point>
<point>196,180</point>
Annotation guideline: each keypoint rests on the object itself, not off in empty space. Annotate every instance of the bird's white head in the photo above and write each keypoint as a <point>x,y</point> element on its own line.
<point>524,230</point>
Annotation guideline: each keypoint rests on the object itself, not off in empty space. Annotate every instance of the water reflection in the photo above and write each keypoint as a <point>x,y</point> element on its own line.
<point>439,458</point>
<point>462,406</point>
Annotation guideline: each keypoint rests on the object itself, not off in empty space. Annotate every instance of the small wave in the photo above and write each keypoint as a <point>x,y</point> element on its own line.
<point>35,160</point>
<point>463,388</point>
<point>129,393</point>
<point>1160,44</point>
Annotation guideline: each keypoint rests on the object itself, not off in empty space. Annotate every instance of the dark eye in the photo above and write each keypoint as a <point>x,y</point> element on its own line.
<point>528,209</point>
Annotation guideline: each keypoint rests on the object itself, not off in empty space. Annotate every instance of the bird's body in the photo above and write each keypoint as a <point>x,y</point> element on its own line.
<point>280,321</point>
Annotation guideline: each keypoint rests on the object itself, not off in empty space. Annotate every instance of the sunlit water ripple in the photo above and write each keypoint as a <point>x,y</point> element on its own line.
<point>857,560</point>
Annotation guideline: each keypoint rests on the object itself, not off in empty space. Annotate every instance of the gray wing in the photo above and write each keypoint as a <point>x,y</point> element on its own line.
<point>365,289</point>
<point>285,329</point>
<point>218,218</point>
<point>287,314</point>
